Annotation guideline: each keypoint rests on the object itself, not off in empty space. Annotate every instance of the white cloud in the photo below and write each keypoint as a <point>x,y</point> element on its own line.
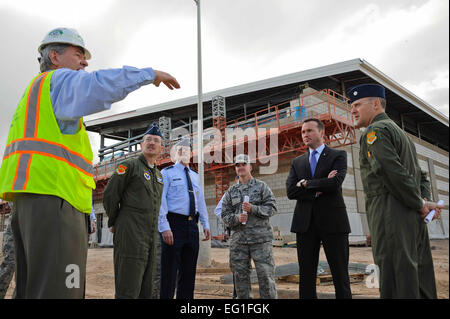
<point>74,14</point>
<point>434,91</point>
<point>243,41</point>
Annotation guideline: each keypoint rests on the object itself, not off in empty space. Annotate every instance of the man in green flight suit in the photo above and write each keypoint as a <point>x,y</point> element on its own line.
<point>396,199</point>
<point>132,199</point>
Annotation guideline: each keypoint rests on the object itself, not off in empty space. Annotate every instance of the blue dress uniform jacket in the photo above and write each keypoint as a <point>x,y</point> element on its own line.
<point>175,196</point>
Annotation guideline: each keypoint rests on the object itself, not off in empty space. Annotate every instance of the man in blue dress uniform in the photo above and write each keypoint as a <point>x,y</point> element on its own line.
<point>182,205</point>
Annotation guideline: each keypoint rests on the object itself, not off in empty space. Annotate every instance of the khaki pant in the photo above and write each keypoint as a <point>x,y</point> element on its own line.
<point>51,244</point>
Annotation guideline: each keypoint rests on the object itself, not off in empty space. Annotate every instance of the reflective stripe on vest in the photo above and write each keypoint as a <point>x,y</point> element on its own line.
<point>46,148</point>
<point>32,145</point>
<point>33,103</point>
<point>21,178</point>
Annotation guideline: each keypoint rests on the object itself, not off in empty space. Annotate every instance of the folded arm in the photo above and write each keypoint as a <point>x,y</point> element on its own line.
<point>330,184</point>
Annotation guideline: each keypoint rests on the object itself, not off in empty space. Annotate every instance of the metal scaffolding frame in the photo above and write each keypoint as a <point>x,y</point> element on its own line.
<point>284,119</point>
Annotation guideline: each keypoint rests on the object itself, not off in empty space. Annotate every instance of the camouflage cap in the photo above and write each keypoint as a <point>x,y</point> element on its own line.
<point>242,158</point>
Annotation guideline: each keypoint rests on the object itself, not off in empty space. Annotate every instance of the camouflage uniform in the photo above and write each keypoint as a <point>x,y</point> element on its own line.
<point>253,240</point>
<point>8,264</point>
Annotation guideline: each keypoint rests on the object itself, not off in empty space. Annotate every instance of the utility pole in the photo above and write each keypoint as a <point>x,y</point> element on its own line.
<point>204,256</point>
<point>200,97</point>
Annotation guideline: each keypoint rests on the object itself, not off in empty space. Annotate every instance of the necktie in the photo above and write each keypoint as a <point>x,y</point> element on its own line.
<point>191,193</point>
<point>313,162</point>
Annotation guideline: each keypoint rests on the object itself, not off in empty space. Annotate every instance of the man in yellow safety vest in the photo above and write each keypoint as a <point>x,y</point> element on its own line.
<point>47,165</point>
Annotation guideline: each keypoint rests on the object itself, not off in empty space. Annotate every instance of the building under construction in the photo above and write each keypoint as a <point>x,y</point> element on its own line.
<point>264,118</point>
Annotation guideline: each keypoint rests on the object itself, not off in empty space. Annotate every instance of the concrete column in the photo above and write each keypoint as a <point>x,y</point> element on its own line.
<point>359,190</point>
<point>129,141</point>
<point>204,251</point>
<point>343,89</point>
<point>433,184</point>
<point>434,189</point>
<point>102,145</point>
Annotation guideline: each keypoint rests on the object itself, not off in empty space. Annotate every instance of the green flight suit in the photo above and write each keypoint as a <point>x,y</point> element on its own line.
<point>394,186</point>
<point>132,199</point>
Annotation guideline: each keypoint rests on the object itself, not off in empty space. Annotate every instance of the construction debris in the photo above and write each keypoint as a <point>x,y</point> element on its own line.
<point>290,272</point>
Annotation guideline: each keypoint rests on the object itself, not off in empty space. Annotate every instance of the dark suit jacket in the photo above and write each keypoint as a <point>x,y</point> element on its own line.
<point>329,211</point>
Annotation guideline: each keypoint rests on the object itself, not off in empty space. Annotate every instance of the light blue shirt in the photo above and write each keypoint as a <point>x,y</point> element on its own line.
<point>92,216</point>
<point>175,196</point>
<point>317,155</point>
<point>75,94</point>
<point>218,209</point>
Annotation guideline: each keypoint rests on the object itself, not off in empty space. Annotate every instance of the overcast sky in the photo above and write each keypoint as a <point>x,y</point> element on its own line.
<point>242,41</point>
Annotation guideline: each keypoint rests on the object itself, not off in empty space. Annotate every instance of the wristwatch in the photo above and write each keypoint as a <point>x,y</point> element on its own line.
<point>301,183</point>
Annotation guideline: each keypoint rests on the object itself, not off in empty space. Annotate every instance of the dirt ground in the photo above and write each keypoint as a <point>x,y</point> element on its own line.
<point>100,274</point>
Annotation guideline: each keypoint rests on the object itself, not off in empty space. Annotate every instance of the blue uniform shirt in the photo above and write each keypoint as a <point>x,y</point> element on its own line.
<point>218,209</point>
<point>75,94</point>
<point>175,196</point>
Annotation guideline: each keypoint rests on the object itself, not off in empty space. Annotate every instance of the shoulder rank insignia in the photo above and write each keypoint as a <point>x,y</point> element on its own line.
<point>121,169</point>
<point>147,175</point>
<point>371,137</point>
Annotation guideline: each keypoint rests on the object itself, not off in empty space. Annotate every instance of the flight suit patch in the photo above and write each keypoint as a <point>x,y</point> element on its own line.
<point>371,137</point>
<point>147,175</point>
<point>122,169</point>
<point>159,180</point>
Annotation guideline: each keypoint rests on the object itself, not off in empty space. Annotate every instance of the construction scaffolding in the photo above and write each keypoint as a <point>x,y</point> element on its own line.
<point>165,126</point>
<point>281,123</point>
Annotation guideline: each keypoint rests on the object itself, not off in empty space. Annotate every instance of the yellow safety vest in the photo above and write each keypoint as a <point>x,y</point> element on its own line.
<point>40,159</point>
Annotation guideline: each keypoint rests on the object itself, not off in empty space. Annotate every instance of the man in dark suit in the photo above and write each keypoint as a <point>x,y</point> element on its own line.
<point>320,216</point>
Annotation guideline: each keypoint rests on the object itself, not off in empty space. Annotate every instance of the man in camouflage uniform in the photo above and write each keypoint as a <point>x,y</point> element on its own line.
<point>8,264</point>
<point>252,234</point>
<point>396,199</point>
<point>132,200</point>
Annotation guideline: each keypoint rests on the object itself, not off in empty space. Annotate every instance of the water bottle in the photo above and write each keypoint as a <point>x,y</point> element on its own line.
<point>246,200</point>
<point>430,215</point>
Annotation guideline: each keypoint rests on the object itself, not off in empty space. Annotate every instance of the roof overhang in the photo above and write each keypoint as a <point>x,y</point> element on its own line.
<point>402,104</point>
<point>302,76</point>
